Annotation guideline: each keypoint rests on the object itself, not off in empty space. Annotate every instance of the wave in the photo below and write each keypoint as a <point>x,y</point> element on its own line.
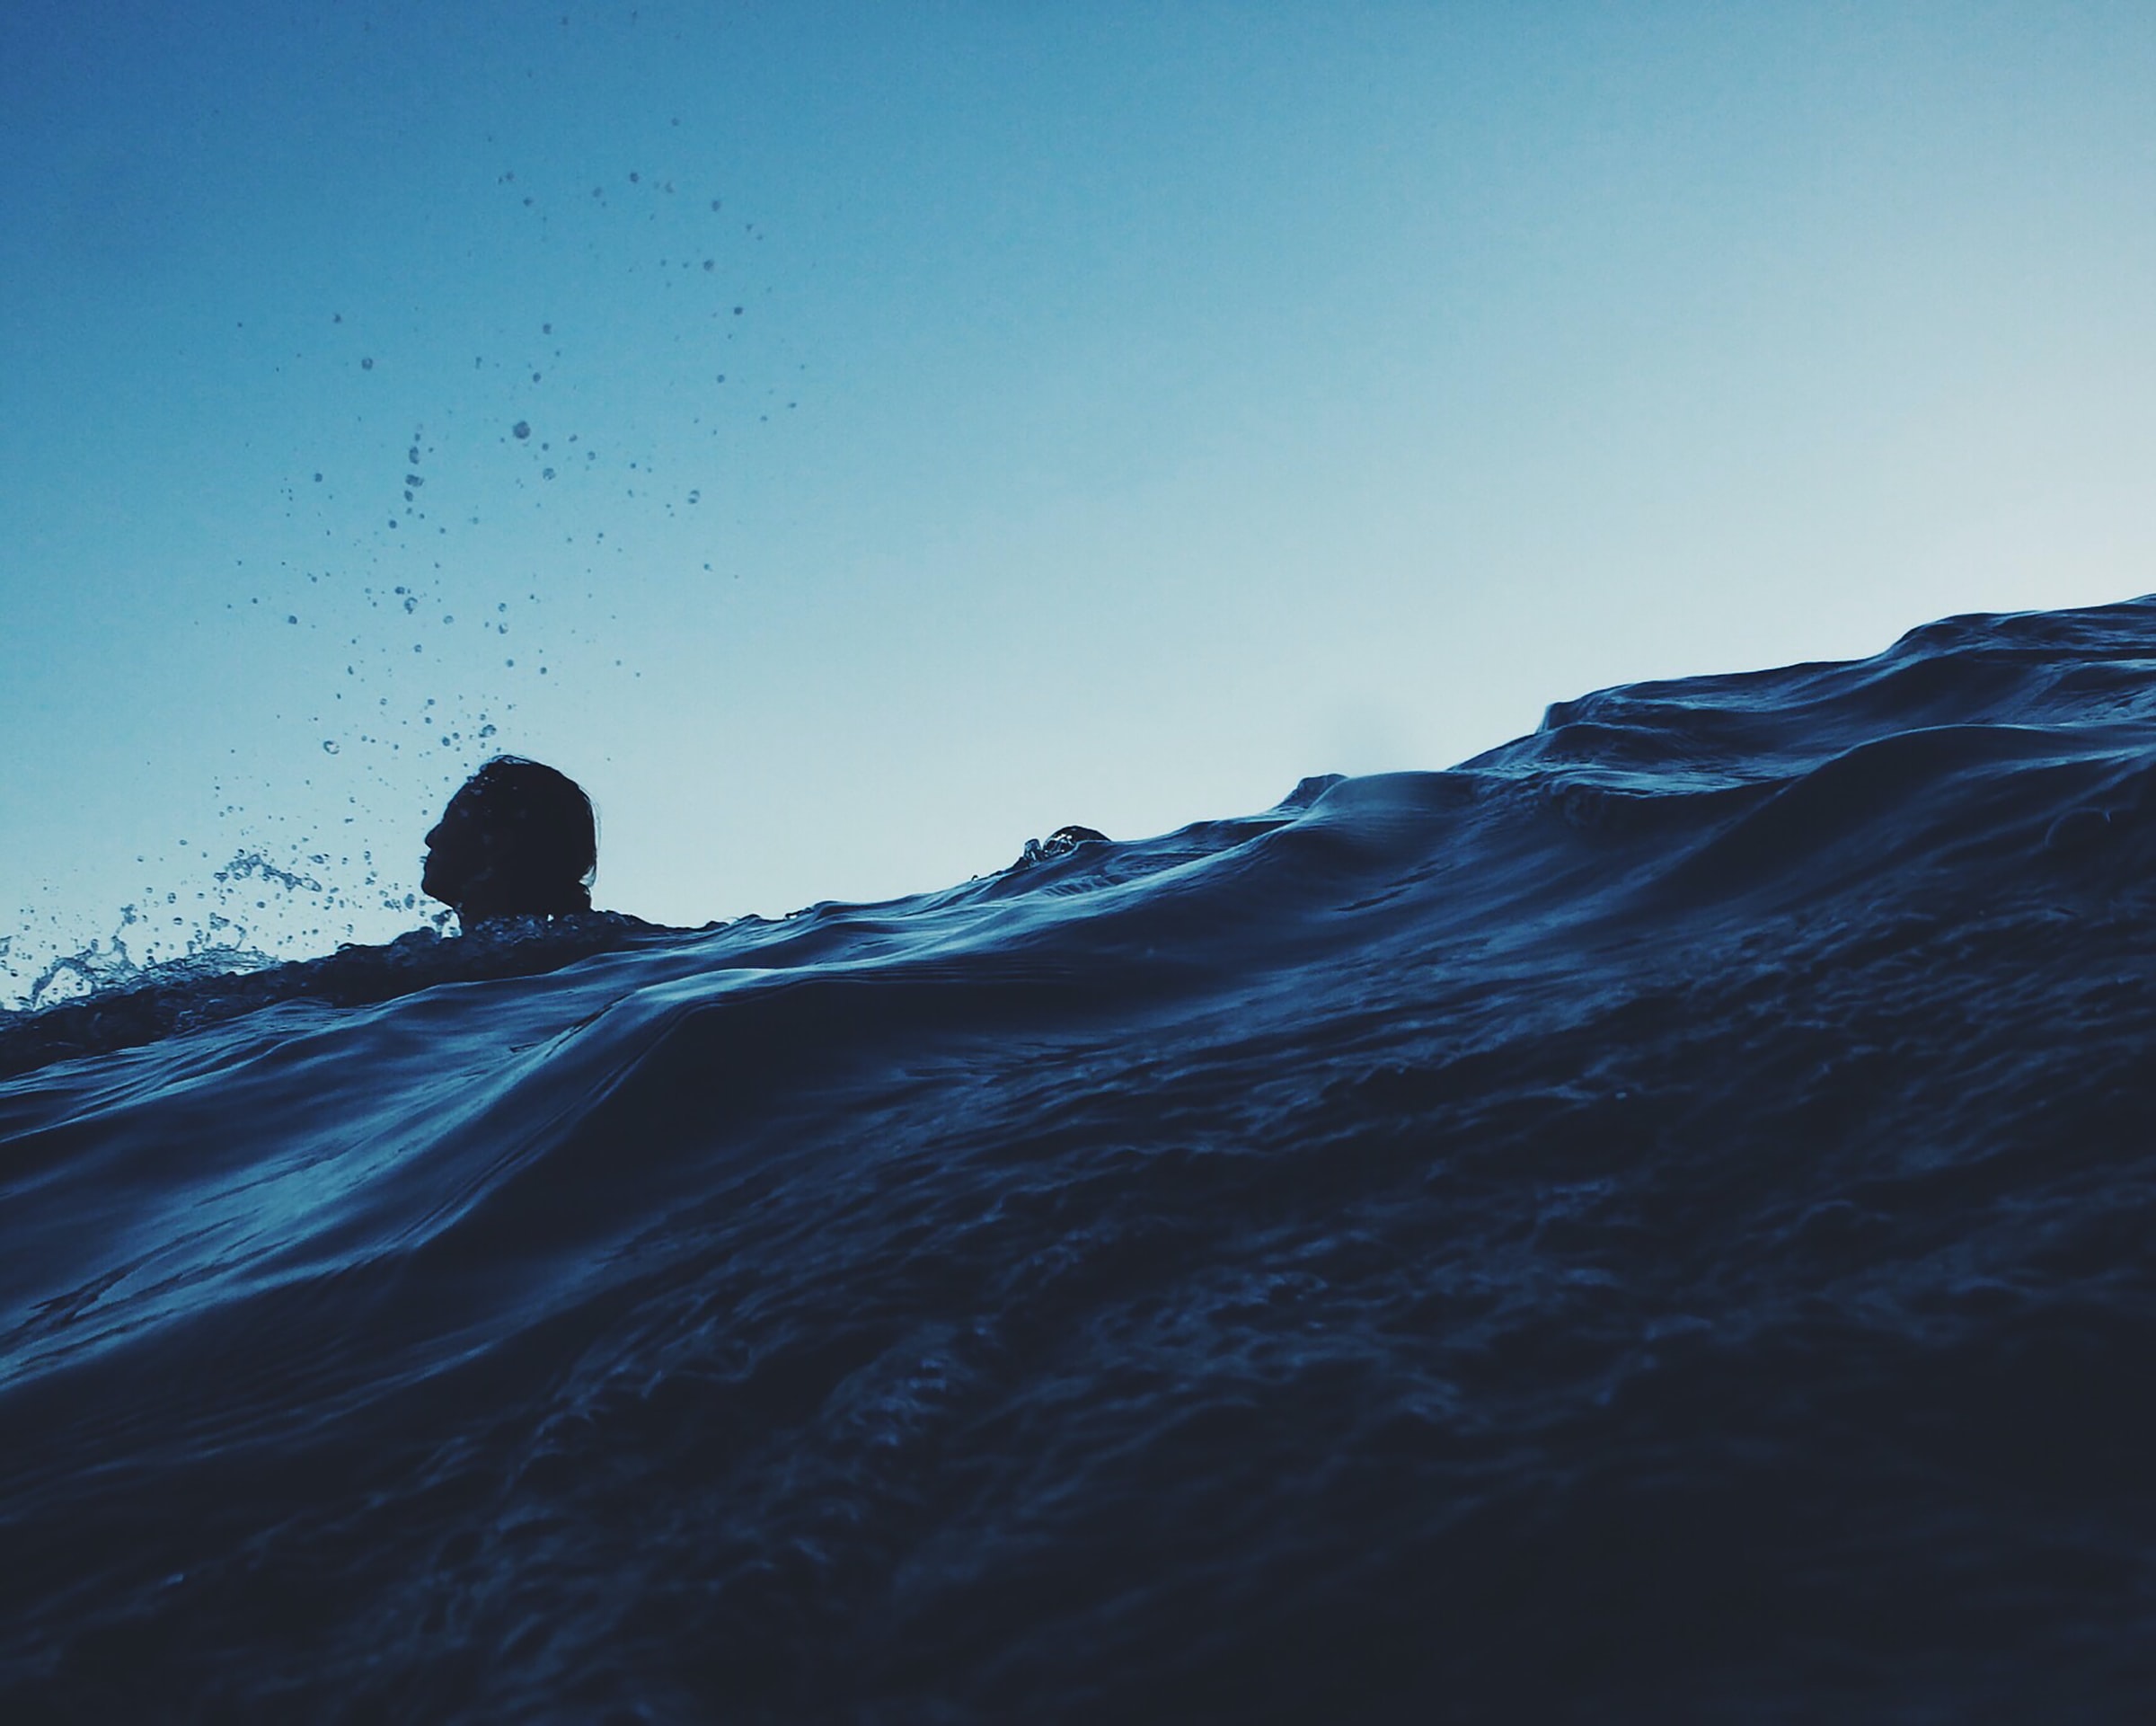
<point>1651,1220</point>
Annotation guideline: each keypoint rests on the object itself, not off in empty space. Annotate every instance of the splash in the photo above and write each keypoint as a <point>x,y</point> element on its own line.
<point>247,912</point>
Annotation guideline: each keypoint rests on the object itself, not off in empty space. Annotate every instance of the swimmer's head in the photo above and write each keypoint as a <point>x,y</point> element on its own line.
<point>518,840</point>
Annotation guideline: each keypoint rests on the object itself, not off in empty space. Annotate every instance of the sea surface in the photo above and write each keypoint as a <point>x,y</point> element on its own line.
<point>1652,1223</point>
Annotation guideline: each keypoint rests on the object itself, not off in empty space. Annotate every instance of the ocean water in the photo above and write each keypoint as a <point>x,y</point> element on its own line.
<point>1652,1223</point>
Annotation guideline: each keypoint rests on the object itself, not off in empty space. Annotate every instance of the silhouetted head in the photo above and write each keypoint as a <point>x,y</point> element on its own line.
<point>516,840</point>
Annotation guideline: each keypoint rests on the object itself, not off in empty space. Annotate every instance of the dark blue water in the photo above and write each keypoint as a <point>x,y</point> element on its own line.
<point>1653,1224</point>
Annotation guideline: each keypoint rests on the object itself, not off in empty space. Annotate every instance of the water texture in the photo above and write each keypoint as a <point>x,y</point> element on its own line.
<point>1653,1223</point>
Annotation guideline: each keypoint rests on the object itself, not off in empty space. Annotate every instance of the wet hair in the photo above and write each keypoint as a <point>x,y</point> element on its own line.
<point>548,842</point>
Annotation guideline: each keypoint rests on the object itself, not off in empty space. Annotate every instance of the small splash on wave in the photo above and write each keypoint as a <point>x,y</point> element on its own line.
<point>108,965</point>
<point>101,1000</point>
<point>249,912</point>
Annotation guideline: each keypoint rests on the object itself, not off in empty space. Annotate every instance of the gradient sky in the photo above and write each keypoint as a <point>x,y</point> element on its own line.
<point>1127,410</point>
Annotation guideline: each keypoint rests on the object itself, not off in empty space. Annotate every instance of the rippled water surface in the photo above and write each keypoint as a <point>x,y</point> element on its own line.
<point>1654,1223</point>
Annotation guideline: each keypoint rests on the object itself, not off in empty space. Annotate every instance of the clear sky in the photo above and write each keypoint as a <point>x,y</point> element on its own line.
<point>942,422</point>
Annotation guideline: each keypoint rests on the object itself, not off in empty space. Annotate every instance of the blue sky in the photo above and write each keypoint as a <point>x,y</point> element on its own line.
<point>1130,410</point>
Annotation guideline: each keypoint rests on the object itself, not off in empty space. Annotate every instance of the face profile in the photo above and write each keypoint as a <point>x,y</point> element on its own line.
<point>516,840</point>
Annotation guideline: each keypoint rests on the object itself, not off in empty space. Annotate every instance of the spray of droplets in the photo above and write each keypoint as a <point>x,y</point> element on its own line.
<point>450,553</point>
